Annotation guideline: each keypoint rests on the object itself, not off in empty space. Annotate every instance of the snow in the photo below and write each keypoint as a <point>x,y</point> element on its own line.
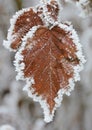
<point>6,127</point>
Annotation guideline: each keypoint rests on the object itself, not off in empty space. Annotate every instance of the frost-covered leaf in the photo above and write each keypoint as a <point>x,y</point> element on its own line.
<point>25,19</point>
<point>50,64</point>
<point>49,55</point>
<point>51,11</point>
<point>21,23</point>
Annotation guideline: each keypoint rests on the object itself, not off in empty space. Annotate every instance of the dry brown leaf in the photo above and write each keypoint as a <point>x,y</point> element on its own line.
<point>52,52</point>
<point>50,64</point>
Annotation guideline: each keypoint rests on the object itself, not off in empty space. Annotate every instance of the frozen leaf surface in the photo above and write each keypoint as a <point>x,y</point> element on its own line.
<point>25,19</point>
<point>49,55</point>
<point>21,23</point>
<point>50,63</point>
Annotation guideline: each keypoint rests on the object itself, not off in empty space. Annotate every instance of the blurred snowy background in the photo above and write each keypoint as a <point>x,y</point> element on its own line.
<point>16,108</point>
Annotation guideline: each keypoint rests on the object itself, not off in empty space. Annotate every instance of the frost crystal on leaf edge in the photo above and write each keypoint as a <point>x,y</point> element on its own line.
<point>78,68</point>
<point>19,57</point>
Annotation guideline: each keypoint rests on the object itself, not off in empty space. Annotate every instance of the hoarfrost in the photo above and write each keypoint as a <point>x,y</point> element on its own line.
<point>19,57</point>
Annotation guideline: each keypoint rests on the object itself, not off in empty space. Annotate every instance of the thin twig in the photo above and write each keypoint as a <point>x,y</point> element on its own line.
<point>19,4</point>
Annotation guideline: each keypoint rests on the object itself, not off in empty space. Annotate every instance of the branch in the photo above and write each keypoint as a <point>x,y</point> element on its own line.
<point>19,4</point>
